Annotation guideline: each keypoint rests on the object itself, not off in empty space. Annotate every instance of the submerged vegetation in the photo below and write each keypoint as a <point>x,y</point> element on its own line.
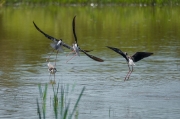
<point>85,2</point>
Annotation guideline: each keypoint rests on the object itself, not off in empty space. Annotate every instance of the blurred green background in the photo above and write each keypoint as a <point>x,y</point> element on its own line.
<point>84,2</point>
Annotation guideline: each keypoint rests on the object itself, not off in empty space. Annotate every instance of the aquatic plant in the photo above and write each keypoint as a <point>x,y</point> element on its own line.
<point>60,103</point>
<point>43,96</point>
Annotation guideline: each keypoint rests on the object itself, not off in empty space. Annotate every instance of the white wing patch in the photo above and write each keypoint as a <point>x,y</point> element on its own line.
<point>57,46</point>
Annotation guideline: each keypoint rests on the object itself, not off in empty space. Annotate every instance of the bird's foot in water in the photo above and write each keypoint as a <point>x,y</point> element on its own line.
<point>52,82</point>
<point>126,78</point>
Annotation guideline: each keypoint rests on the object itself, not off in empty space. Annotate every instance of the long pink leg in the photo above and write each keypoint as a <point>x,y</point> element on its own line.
<point>49,76</point>
<point>70,53</point>
<point>127,74</point>
<point>54,77</point>
<point>71,58</point>
<point>56,58</point>
<point>49,56</point>
<point>130,72</point>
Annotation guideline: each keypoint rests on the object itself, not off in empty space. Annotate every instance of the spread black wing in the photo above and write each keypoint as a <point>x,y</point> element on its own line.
<point>140,55</point>
<point>92,57</point>
<point>73,25</point>
<point>118,51</point>
<point>67,46</point>
<point>84,51</point>
<point>46,35</point>
<point>88,50</point>
<point>74,32</point>
<point>52,38</point>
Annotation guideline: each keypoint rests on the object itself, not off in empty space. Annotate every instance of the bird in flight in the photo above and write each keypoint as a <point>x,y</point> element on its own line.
<point>56,43</point>
<point>76,49</point>
<point>131,59</point>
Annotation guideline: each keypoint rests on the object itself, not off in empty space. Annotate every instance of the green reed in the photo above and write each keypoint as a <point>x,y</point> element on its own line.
<point>43,96</point>
<point>55,101</point>
<point>61,103</point>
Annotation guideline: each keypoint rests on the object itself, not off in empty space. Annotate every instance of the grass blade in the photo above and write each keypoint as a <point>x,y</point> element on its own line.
<point>40,90</point>
<point>62,100</point>
<point>38,109</point>
<point>75,106</point>
<point>55,101</point>
<point>44,101</point>
<point>66,111</point>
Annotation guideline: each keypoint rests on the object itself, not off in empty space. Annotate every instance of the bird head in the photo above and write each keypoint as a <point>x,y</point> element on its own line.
<point>125,53</point>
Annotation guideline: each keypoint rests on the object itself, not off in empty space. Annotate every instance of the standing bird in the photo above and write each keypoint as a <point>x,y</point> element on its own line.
<point>76,49</point>
<point>131,59</point>
<point>56,44</point>
<point>51,69</point>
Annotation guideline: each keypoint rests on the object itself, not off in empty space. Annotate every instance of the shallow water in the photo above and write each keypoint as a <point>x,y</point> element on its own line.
<point>153,90</point>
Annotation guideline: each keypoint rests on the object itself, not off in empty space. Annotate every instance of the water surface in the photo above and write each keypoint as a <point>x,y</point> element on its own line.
<point>153,91</point>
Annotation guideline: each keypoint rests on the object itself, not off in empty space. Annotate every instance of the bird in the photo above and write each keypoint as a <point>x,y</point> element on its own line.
<point>131,59</point>
<point>76,49</point>
<point>56,43</point>
<point>52,70</point>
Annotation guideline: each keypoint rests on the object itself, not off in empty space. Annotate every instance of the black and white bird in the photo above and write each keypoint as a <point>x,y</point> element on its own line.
<point>52,70</point>
<point>76,49</point>
<point>131,59</point>
<point>56,44</point>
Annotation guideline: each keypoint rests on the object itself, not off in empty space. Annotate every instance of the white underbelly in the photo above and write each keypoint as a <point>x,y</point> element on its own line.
<point>131,62</point>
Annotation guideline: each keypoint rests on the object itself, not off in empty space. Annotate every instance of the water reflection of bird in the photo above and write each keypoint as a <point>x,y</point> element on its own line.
<point>131,59</point>
<point>56,44</point>
<point>52,70</point>
<point>75,48</point>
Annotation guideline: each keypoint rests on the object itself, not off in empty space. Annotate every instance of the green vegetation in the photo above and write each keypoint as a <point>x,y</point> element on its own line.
<point>84,2</point>
<point>61,105</point>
